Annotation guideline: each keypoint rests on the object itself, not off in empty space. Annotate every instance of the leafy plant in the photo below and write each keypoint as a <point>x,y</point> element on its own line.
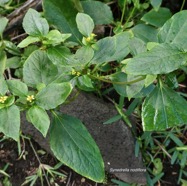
<point>146,62</point>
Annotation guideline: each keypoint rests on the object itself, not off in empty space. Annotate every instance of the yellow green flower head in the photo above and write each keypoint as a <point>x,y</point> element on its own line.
<point>30,98</point>
<point>73,72</point>
<point>3,99</point>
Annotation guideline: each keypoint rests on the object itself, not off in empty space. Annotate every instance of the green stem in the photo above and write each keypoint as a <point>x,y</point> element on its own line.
<point>182,6</point>
<point>117,82</point>
<point>130,16</point>
<point>123,12</point>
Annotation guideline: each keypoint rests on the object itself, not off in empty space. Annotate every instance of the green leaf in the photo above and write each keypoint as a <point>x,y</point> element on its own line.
<point>53,95</point>
<point>59,55</point>
<point>137,46</point>
<point>28,40</point>
<point>85,24</point>
<point>162,109</point>
<point>111,48</point>
<point>10,121</point>
<point>113,119</point>
<point>85,83</point>
<point>174,30</point>
<point>98,11</point>
<point>17,87</point>
<point>162,59</point>
<point>145,32</point>
<point>62,14</point>
<point>3,59</point>
<point>156,4</point>
<point>134,88</point>
<point>83,55</point>
<point>72,144</point>
<point>3,23</point>
<point>39,69</point>
<point>120,88</point>
<point>149,79</point>
<point>3,85</point>
<point>54,37</point>
<point>34,24</point>
<point>39,118</point>
<point>13,62</point>
<point>157,18</point>
<point>12,48</point>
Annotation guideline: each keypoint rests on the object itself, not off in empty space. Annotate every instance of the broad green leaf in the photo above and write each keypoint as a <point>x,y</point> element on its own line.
<point>162,109</point>
<point>72,144</point>
<point>62,14</point>
<point>53,95</point>
<point>59,55</point>
<point>17,87</point>
<point>174,30</point>
<point>28,40</point>
<point>39,118</point>
<point>137,46</point>
<point>145,32</point>
<point>151,45</point>
<point>98,11</point>
<point>157,18</point>
<point>3,59</point>
<point>13,62</point>
<point>162,59</point>
<point>39,69</point>
<point>34,24</point>
<point>85,24</point>
<point>156,4</point>
<point>3,86</point>
<point>111,48</point>
<point>10,121</point>
<point>85,83</point>
<point>83,55</point>
<point>54,37</point>
<point>3,23</point>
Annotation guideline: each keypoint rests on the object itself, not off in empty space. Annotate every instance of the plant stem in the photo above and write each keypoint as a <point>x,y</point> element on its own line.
<point>130,16</point>
<point>123,12</point>
<point>182,6</point>
<point>117,82</point>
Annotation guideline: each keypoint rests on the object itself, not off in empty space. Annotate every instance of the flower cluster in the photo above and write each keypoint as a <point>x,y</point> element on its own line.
<point>73,72</point>
<point>3,99</point>
<point>30,98</point>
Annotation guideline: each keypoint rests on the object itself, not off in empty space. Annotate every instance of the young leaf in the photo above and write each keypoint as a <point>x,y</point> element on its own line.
<point>10,121</point>
<point>85,83</point>
<point>62,14</point>
<point>174,30</point>
<point>34,24</point>
<point>39,69</point>
<point>28,40</point>
<point>53,95</point>
<point>72,144</point>
<point>162,109</point>
<point>157,18</point>
<point>39,118</point>
<point>3,23</point>
<point>162,59</point>
<point>85,24</point>
<point>98,11</point>
<point>17,87</point>
<point>54,37</point>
